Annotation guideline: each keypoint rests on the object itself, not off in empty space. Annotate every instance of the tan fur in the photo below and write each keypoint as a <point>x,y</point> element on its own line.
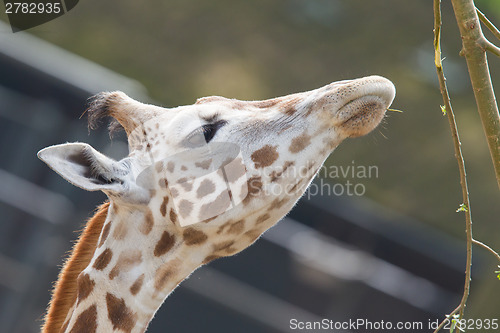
<point>64,293</point>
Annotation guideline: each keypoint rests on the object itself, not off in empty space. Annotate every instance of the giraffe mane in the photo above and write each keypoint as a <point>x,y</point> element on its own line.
<point>65,290</point>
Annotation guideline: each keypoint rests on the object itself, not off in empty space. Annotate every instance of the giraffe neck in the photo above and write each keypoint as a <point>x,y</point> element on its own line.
<point>136,264</point>
<point>64,293</point>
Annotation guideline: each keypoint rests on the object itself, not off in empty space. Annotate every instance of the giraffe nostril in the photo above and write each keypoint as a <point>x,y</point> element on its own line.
<point>375,86</point>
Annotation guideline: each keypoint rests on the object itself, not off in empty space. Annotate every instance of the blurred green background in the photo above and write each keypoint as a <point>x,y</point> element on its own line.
<point>182,50</point>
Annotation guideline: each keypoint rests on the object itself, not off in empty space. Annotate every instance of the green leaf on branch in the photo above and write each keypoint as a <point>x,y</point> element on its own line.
<point>462,208</point>
<point>498,273</point>
<point>443,109</point>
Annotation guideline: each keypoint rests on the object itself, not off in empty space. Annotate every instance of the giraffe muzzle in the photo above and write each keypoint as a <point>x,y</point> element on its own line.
<point>367,101</point>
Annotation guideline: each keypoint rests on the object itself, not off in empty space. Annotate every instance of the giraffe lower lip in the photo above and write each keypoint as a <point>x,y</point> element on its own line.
<point>362,115</point>
<point>361,107</point>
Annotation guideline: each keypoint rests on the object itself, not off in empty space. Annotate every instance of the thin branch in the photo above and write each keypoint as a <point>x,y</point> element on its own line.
<point>488,24</point>
<point>486,247</point>
<point>437,38</point>
<point>447,319</point>
<point>489,46</point>
<point>458,154</point>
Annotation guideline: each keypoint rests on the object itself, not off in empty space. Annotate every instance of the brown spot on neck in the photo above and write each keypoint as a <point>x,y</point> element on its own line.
<point>86,321</point>
<point>300,143</point>
<point>194,237</point>
<point>174,192</point>
<point>85,286</point>
<point>166,273</point>
<point>170,166</point>
<point>119,314</point>
<point>163,206</point>
<point>163,183</point>
<point>236,227</point>
<point>206,187</point>
<point>262,218</point>
<point>148,223</point>
<point>105,233</point>
<point>265,156</point>
<point>164,245</point>
<point>159,167</point>
<point>216,207</point>
<point>253,234</point>
<point>126,261</point>
<point>210,258</point>
<point>64,294</point>
<point>224,246</point>
<point>173,215</point>
<point>185,208</point>
<point>186,184</point>
<point>203,164</point>
<point>254,187</point>
<point>234,170</point>
<point>137,285</point>
<point>103,260</point>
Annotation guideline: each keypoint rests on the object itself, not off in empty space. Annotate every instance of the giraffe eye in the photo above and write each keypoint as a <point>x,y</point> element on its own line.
<point>204,134</point>
<point>209,130</point>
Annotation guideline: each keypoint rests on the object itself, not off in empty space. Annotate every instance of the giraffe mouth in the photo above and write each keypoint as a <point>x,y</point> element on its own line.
<point>360,116</point>
<point>370,98</point>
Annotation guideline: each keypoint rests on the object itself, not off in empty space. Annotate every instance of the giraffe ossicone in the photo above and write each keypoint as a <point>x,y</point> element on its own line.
<point>200,182</point>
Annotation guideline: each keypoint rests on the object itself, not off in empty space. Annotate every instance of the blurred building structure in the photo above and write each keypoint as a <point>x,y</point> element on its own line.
<point>332,257</point>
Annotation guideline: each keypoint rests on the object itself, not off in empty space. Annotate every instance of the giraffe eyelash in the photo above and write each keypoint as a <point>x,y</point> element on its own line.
<point>203,134</point>
<point>209,130</point>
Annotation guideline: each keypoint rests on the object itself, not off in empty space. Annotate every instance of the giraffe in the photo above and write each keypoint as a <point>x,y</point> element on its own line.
<point>200,182</point>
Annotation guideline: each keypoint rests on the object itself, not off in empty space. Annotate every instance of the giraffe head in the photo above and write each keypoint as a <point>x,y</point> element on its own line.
<point>221,158</point>
<point>206,180</point>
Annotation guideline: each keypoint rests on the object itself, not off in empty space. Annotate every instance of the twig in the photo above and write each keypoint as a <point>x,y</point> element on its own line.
<point>486,247</point>
<point>488,24</point>
<point>489,46</point>
<point>447,318</point>
<point>458,155</point>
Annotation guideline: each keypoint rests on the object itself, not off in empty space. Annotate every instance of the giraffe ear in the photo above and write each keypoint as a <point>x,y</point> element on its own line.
<point>85,167</point>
